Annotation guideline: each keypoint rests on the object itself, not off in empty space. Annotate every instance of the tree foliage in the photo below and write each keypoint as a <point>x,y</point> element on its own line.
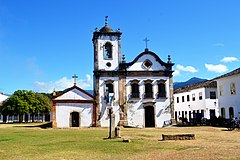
<point>23,101</point>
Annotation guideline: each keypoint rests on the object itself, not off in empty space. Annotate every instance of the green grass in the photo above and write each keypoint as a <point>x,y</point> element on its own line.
<point>20,142</point>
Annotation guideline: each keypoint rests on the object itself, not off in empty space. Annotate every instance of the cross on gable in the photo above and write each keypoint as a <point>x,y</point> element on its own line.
<point>75,79</point>
<point>146,41</point>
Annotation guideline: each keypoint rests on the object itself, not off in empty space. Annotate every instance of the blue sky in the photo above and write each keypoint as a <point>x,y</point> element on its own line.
<point>44,42</point>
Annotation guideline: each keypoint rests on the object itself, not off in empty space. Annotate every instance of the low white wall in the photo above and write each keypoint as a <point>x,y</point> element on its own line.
<point>63,111</point>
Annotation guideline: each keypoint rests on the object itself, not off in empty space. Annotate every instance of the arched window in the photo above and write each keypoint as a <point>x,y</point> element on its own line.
<point>231,112</point>
<point>108,50</point>
<point>109,88</point>
<point>134,89</point>
<point>109,91</point>
<point>161,89</point>
<point>223,113</point>
<point>148,89</point>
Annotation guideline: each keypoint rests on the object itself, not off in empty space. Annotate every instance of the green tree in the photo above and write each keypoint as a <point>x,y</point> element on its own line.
<point>23,101</point>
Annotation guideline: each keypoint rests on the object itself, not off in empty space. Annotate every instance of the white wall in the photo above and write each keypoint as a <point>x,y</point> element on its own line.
<point>63,111</point>
<point>138,66</point>
<point>228,100</point>
<point>3,97</point>
<point>74,94</point>
<point>104,118</point>
<point>205,104</point>
<point>135,112</point>
<point>115,59</point>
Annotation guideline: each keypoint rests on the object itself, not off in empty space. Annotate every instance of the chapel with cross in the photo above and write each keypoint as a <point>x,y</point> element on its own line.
<point>142,89</point>
<point>139,92</point>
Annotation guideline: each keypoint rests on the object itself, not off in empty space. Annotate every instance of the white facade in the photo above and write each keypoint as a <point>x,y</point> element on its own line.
<point>73,108</point>
<point>136,107</point>
<point>64,110</point>
<point>203,105</point>
<point>101,57</point>
<point>3,97</point>
<point>104,117</point>
<point>229,95</point>
<point>135,85</point>
<point>138,65</point>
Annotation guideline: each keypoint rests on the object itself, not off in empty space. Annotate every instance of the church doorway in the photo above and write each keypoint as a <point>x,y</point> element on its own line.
<point>149,116</point>
<point>74,119</point>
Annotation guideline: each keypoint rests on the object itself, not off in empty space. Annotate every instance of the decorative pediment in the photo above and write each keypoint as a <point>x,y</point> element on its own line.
<point>147,61</point>
<point>74,93</point>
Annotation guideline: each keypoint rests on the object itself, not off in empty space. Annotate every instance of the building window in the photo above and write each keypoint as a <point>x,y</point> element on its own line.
<point>193,97</point>
<point>182,98</point>
<point>188,98</point>
<point>109,88</point>
<point>108,50</point>
<point>202,113</point>
<point>212,95</point>
<point>232,88</point>
<point>177,99</point>
<point>147,64</point>
<point>161,89</point>
<point>223,113</point>
<point>109,91</point>
<point>231,113</point>
<point>200,95</point>
<point>221,93</point>
<point>134,89</point>
<point>148,89</point>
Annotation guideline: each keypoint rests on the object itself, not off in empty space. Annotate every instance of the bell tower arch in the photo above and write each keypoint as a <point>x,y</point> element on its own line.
<point>107,48</point>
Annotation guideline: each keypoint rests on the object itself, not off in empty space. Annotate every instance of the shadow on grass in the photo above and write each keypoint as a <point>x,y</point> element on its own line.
<point>43,126</point>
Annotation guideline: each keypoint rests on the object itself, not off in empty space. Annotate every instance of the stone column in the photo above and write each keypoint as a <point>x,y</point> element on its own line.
<point>171,99</point>
<point>97,104</point>
<point>122,100</point>
<point>54,122</point>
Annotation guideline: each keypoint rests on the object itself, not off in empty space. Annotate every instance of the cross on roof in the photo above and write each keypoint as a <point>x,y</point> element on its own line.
<point>146,41</point>
<point>75,79</point>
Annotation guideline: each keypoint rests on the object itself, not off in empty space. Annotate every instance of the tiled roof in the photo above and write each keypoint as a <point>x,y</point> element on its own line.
<point>234,72</point>
<point>205,84</point>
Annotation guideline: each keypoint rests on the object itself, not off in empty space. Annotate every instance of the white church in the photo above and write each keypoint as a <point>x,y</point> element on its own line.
<point>140,92</point>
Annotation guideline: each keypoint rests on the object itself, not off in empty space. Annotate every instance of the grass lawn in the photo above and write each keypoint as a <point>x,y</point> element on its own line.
<point>26,141</point>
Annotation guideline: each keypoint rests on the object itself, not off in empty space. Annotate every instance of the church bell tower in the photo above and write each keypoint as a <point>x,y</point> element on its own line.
<point>107,57</point>
<point>107,48</point>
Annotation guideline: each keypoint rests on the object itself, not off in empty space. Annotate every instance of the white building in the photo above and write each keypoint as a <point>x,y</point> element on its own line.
<point>142,89</point>
<point>229,94</point>
<point>196,101</point>
<point>3,97</point>
<point>73,107</point>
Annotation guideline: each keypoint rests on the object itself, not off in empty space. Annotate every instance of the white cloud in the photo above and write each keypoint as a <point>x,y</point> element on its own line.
<point>229,59</point>
<point>62,84</point>
<point>216,68</point>
<point>218,45</point>
<point>176,73</point>
<point>186,69</point>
